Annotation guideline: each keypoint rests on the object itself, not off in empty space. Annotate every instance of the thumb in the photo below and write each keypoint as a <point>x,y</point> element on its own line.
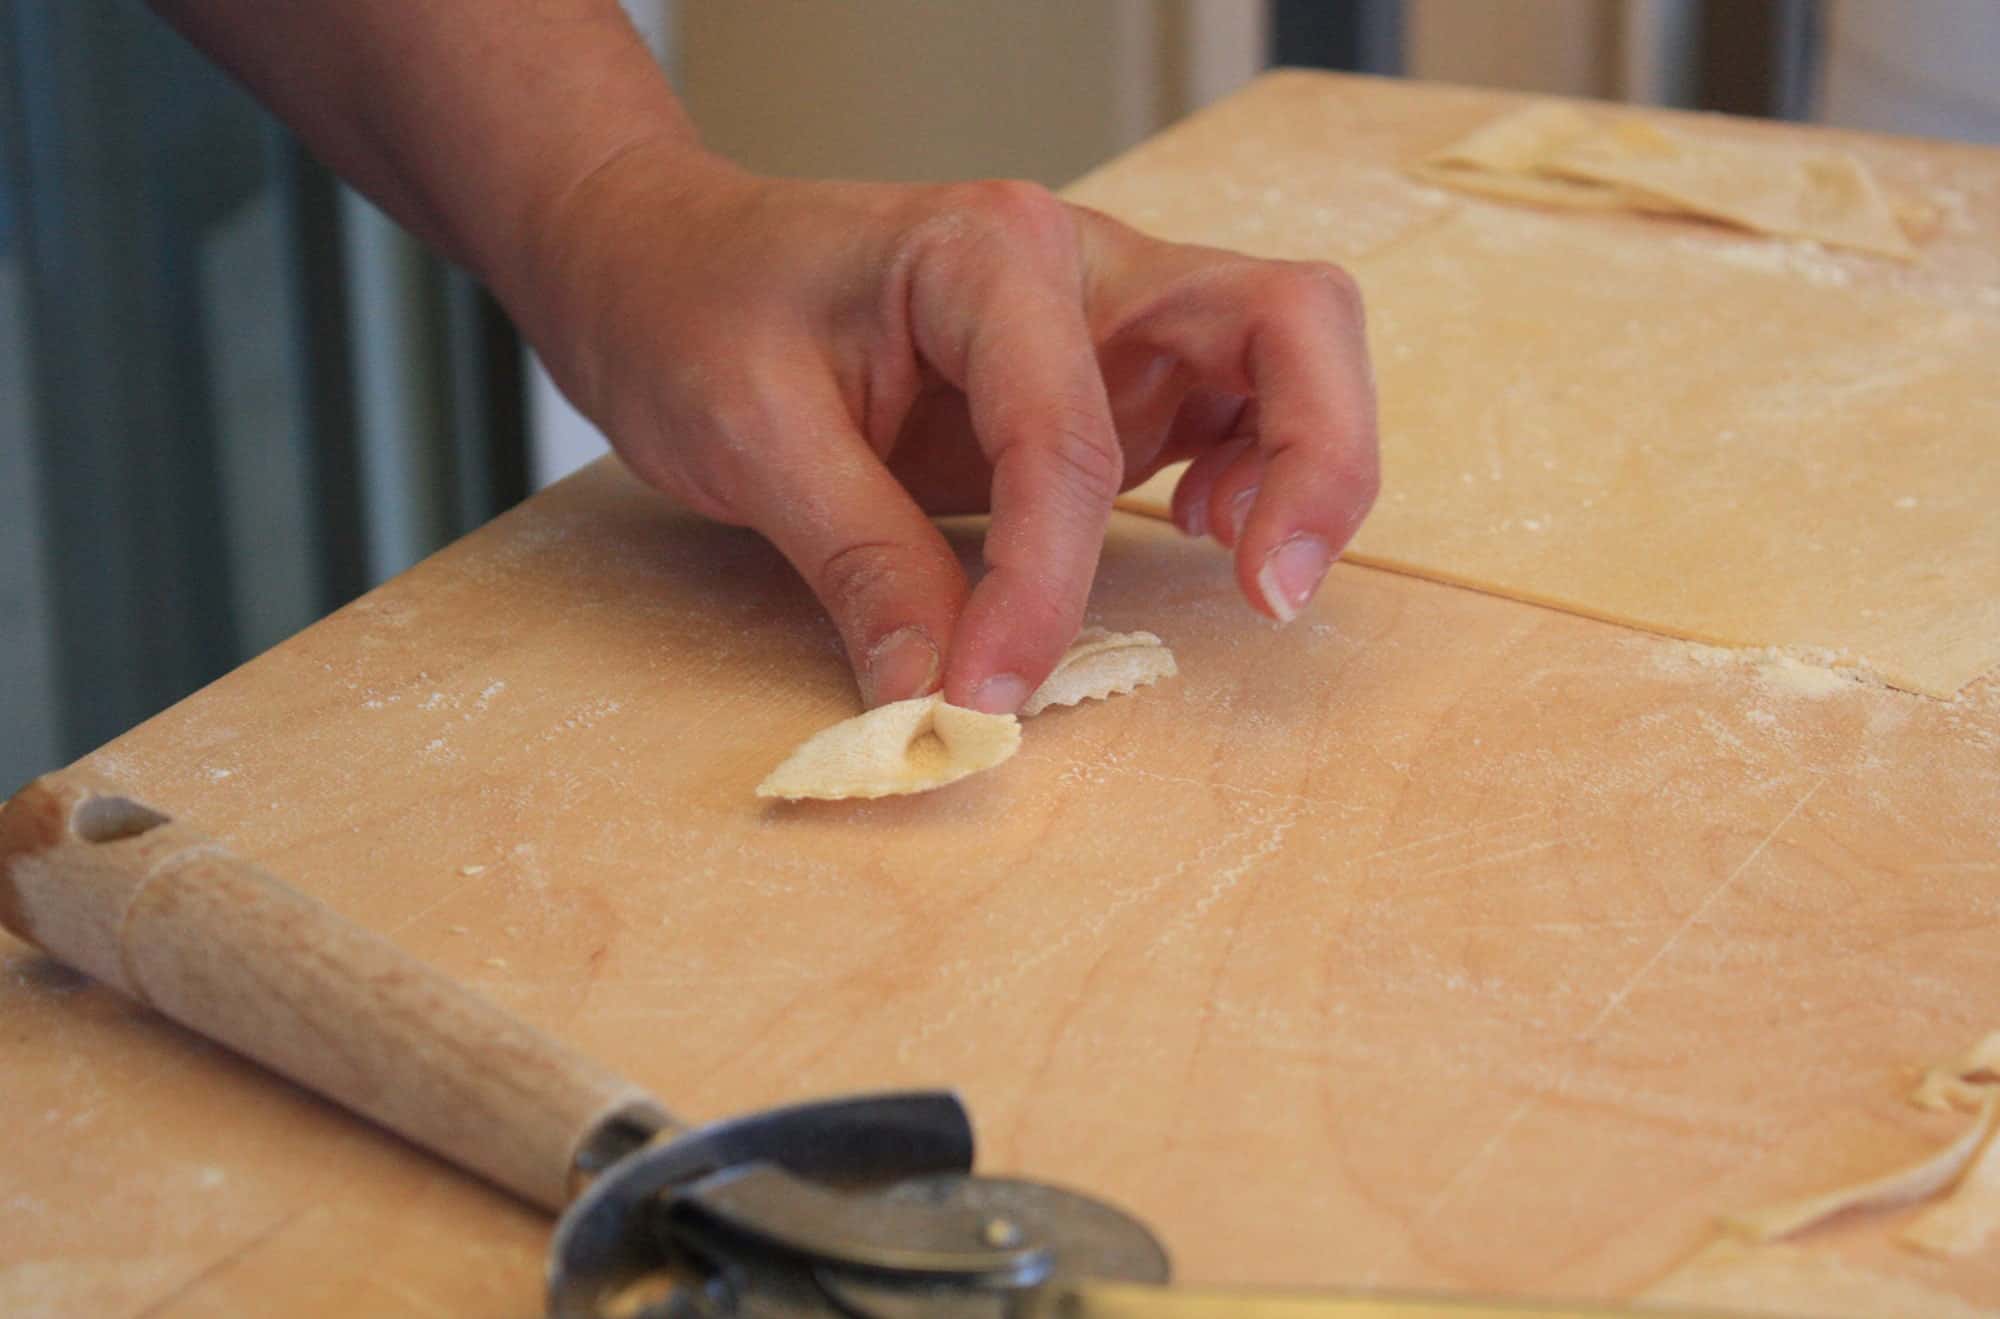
<point>880,568</point>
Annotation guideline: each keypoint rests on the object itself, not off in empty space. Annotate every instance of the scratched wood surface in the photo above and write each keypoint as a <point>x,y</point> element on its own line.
<point>1434,941</point>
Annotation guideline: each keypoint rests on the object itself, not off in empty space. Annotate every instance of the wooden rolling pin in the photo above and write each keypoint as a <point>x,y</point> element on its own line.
<point>178,922</point>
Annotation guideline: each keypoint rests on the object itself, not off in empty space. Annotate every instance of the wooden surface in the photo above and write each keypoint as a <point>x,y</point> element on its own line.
<point>1436,940</point>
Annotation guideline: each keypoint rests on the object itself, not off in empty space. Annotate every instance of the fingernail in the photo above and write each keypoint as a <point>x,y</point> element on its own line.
<point>902,664</point>
<point>1000,694</point>
<point>1291,573</point>
<point>1239,512</point>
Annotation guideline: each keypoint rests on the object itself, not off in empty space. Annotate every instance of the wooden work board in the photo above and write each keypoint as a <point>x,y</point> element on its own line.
<point>1434,941</point>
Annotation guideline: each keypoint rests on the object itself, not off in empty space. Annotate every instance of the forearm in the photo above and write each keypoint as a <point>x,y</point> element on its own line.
<point>473,122</point>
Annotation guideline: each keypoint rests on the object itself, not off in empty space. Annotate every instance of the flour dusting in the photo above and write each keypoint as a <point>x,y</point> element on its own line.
<point>1804,673</point>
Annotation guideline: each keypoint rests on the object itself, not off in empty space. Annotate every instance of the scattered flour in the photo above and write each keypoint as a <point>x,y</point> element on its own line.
<point>1801,258</point>
<point>1792,677</point>
<point>1803,673</point>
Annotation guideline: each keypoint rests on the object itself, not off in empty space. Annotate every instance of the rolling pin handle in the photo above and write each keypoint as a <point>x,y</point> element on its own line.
<point>172,918</point>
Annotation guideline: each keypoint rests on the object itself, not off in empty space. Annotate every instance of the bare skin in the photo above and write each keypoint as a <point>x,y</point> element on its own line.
<point>832,363</point>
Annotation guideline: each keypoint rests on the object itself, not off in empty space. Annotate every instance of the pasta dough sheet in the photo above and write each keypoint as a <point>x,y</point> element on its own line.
<point>1680,435</point>
<point>1222,178</point>
<point>1553,154</point>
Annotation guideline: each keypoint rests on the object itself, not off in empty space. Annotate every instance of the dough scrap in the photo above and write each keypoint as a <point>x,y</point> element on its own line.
<point>1904,1186</point>
<point>924,743</point>
<point>1101,664</point>
<point>1553,154</point>
<point>903,747</point>
<point>1966,1220</point>
<point>1970,1165</point>
<point>1735,1277</point>
<point>1503,158</point>
<point>1963,1082</point>
<point>1533,189</point>
<point>1663,432</point>
<point>1517,144</point>
<point>1749,1272</point>
<point>1963,1222</point>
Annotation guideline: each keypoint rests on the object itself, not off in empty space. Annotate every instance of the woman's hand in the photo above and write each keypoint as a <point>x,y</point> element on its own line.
<point>829,363</point>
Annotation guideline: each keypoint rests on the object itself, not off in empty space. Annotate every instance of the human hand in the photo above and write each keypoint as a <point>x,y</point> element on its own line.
<point>829,363</point>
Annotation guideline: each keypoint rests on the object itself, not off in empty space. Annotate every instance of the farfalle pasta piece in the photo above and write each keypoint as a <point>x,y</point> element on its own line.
<point>904,747</point>
<point>916,745</point>
<point>1101,664</point>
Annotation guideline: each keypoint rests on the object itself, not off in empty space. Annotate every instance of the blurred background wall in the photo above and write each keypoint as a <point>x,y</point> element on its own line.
<point>914,89</point>
<point>233,395</point>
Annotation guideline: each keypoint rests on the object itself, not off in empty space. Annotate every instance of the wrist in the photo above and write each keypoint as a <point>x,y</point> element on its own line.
<point>639,199</point>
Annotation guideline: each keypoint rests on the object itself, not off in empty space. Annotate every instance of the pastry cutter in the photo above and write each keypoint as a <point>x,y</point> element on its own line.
<point>863,1207</point>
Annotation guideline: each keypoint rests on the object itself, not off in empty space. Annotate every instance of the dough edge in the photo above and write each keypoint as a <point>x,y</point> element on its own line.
<point>1101,664</point>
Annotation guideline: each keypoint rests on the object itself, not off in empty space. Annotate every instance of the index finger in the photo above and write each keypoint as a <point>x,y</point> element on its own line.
<point>1040,412</point>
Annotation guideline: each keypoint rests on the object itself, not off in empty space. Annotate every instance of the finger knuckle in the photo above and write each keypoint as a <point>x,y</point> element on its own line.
<point>1082,459</point>
<point>1335,448</point>
<point>1335,279</point>
<point>1016,210</point>
<point>855,576</point>
<point>1312,290</point>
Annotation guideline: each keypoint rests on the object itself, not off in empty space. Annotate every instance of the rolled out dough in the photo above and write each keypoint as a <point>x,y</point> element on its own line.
<point>1681,434</point>
<point>1553,154</point>
<point>924,743</point>
<point>1215,177</point>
